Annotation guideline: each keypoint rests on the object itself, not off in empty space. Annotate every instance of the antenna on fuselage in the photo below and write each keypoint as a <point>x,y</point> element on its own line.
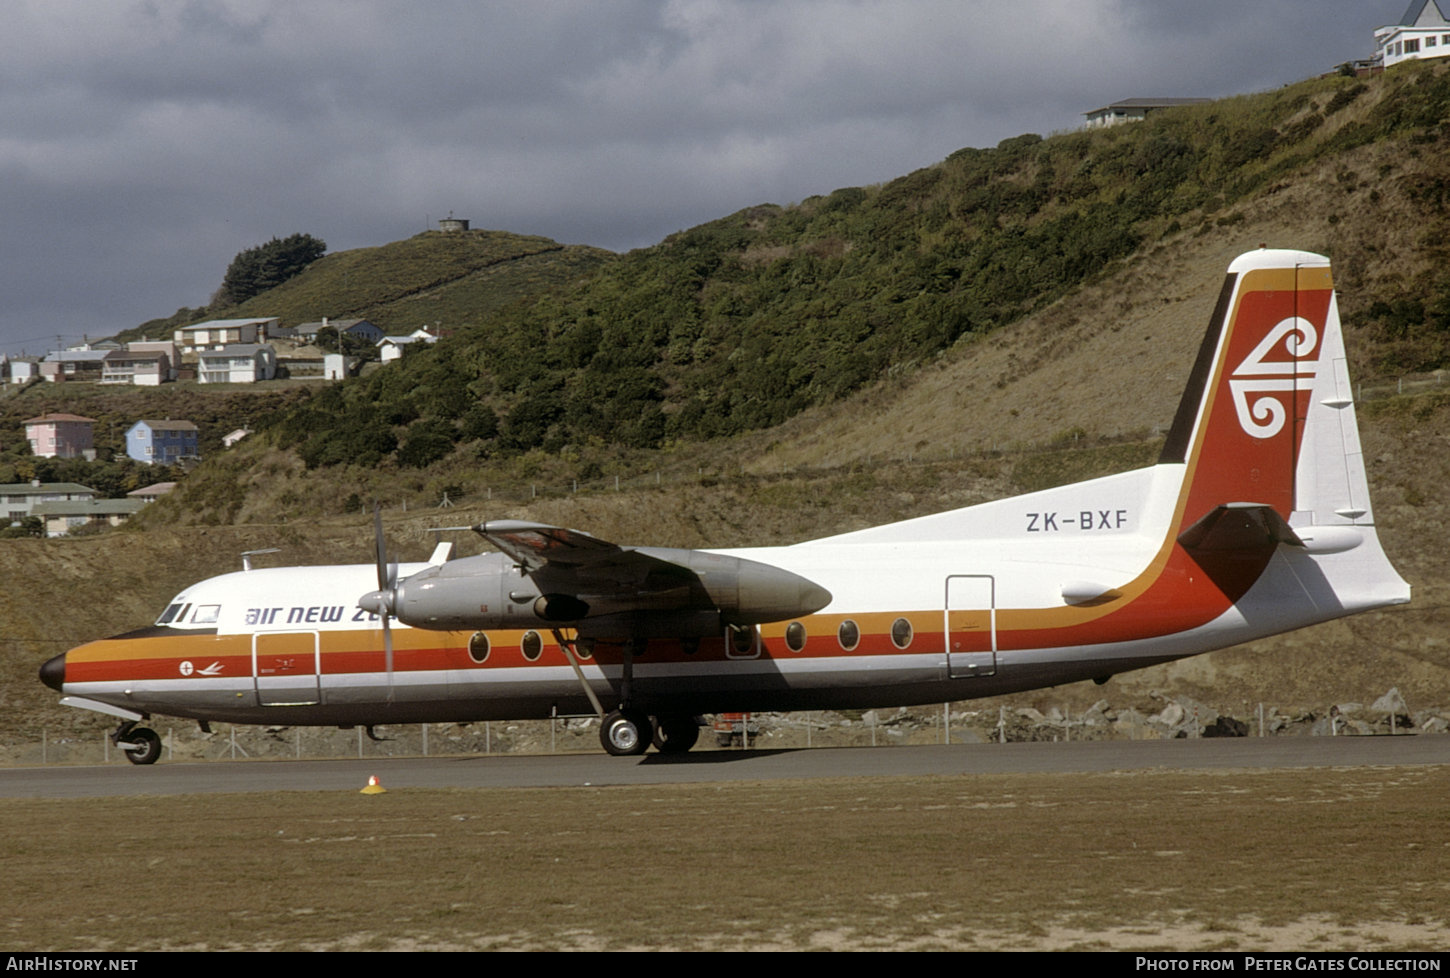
<point>249,554</point>
<point>443,549</point>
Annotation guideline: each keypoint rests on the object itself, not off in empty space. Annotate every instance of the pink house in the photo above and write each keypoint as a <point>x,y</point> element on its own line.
<point>60,436</point>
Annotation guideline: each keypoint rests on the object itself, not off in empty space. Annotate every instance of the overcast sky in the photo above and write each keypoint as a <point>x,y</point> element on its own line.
<point>143,143</point>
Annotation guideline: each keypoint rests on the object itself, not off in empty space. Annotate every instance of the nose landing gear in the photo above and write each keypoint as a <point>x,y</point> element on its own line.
<point>141,745</point>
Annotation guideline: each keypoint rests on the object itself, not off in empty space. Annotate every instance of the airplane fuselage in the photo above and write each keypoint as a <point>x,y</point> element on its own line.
<point>913,620</point>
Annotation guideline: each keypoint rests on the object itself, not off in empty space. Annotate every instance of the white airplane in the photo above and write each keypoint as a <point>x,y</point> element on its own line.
<point>1255,520</point>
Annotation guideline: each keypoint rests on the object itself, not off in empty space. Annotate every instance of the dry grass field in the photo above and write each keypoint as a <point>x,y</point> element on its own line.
<point>1333,859</point>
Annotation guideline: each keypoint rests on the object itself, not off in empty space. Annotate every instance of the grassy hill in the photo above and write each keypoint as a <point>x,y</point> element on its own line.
<point>456,279</point>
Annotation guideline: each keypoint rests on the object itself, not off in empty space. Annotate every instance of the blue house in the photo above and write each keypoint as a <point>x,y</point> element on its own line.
<point>161,442</point>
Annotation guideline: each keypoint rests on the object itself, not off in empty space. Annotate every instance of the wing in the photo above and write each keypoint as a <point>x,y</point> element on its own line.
<point>587,567</point>
<point>581,575</point>
<point>537,545</point>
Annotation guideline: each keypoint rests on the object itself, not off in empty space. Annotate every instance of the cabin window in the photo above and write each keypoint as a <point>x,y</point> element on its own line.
<point>478,647</point>
<point>206,614</point>
<point>901,633</point>
<point>532,646</point>
<point>795,636</point>
<point>849,635</point>
<point>742,639</point>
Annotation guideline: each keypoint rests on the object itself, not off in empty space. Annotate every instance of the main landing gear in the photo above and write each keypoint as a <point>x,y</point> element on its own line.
<point>627,732</point>
<point>141,745</point>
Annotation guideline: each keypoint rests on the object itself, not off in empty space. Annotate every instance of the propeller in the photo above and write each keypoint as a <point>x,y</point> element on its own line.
<point>382,602</point>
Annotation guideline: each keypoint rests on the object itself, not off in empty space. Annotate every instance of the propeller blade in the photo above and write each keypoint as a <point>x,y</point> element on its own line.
<point>388,655</point>
<point>381,548</point>
<point>387,580</point>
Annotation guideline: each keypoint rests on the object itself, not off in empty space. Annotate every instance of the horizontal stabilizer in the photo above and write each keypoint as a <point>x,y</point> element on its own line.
<point>1243,528</point>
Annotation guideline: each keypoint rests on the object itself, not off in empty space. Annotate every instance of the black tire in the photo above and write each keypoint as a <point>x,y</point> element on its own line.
<point>676,735</point>
<point>626,733</point>
<point>148,746</point>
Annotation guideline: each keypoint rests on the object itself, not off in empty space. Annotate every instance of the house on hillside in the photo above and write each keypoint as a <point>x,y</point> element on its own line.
<point>63,518</point>
<point>61,436</point>
<point>215,333</point>
<point>391,348</point>
<point>62,365</point>
<point>336,366</point>
<point>240,364</point>
<point>23,371</point>
<point>144,368</point>
<point>1423,32</point>
<point>162,442</point>
<point>151,493</point>
<point>168,347</point>
<point>1134,110</point>
<point>18,500</point>
<point>359,328</point>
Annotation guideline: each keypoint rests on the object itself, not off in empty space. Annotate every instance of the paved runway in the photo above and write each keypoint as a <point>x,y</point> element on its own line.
<point>563,770</point>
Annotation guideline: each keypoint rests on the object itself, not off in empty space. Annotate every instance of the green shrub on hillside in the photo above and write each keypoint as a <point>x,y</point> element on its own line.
<point>267,266</point>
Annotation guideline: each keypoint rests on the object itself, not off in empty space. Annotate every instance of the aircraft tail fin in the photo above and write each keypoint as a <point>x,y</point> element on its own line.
<point>1267,429</point>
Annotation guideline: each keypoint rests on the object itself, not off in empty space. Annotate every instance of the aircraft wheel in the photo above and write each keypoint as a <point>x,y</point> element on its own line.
<point>624,733</point>
<point>148,746</point>
<point>676,735</point>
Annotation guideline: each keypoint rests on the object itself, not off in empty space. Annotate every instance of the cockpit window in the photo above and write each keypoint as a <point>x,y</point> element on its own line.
<point>206,614</point>
<point>172,611</point>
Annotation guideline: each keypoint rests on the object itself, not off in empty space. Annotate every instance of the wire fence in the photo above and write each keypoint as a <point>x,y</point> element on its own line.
<point>948,723</point>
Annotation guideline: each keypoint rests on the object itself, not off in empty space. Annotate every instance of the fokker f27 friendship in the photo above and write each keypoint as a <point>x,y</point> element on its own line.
<point>1255,520</point>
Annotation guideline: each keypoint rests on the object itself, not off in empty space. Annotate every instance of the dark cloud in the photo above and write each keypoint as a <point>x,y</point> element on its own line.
<point>142,144</point>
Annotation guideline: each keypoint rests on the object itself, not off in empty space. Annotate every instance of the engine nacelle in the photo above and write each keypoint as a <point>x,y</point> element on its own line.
<point>491,591</point>
<point>483,592</point>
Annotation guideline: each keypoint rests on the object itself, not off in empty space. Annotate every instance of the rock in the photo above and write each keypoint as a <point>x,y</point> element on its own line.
<point>1226,727</point>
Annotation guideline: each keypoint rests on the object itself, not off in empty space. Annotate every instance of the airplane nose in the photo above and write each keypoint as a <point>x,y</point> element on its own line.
<point>53,672</point>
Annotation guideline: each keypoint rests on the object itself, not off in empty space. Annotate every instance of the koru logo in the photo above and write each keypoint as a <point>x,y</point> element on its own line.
<point>1261,411</point>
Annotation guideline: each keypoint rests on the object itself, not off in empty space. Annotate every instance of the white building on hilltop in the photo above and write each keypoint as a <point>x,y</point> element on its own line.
<point>1134,110</point>
<point>1423,32</point>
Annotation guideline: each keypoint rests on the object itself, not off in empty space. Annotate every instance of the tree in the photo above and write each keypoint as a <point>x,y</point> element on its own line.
<point>258,269</point>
